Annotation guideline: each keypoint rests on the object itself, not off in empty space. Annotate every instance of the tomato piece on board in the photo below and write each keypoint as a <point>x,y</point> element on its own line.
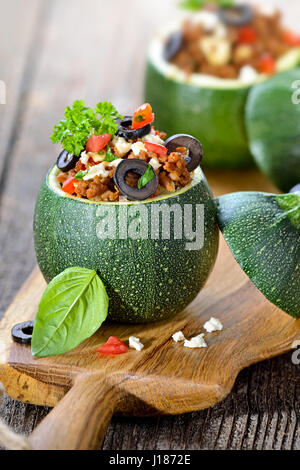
<point>97,142</point>
<point>113,346</point>
<point>267,64</point>
<point>247,35</point>
<point>68,185</point>
<point>142,116</point>
<point>157,148</point>
<point>292,39</point>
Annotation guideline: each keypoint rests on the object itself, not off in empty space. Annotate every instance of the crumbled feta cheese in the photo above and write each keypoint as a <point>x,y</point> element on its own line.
<point>179,336</point>
<point>135,343</point>
<point>213,325</point>
<point>137,147</point>
<point>207,19</point>
<point>216,50</point>
<point>248,74</point>
<point>268,9</point>
<point>155,163</point>
<point>154,139</point>
<point>102,169</point>
<point>121,145</point>
<point>196,342</point>
<point>84,158</point>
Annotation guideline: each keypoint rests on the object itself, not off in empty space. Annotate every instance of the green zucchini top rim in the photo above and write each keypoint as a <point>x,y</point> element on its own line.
<point>53,185</point>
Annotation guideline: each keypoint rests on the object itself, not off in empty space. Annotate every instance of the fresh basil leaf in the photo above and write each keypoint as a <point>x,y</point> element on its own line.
<point>72,308</point>
<point>110,157</point>
<point>147,176</point>
<point>80,175</point>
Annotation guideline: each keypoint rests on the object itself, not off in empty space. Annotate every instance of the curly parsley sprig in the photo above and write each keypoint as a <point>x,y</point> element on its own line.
<point>198,4</point>
<point>80,122</point>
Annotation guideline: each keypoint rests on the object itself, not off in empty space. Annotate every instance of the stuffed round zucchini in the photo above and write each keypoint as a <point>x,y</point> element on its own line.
<point>199,74</point>
<point>106,204</point>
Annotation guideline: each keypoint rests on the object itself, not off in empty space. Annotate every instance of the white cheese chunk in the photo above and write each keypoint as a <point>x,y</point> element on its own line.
<point>154,139</point>
<point>135,343</point>
<point>155,163</point>
<point>178,336</point>
<point>216,50</point>
<point>248,74</point>
<point>102,169</point>
<point>121,145</point>
<point>137,147</point>
<point>213,324</point>
<point>84,158</point>
<point>196,342</point>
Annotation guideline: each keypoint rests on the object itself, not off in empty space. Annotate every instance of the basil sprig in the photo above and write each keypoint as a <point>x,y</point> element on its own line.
<point>81,174</point>
<point>147,176</point>
<point>198,4</point>
<point>72,308</point>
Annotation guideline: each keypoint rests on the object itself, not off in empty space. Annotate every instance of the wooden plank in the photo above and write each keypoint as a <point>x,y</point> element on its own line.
<point>18,29</point>
<point>59,78</point>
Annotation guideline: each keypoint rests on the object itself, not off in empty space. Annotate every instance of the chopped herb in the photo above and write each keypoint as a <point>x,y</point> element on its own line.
<point>147,176</point>
<point>198,4</point>
<point>79,176</point>
<point>139,118</point>
<point>110,157</point>
<point>80,122</point>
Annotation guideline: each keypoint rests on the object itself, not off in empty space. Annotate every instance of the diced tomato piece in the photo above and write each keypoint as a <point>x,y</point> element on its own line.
<point>68,186</point>
<point>267,64</point>
<point>113,346</point>
<point>157,148</point>
<point>292,39</point>
<point>97,142</point>
<point>142,116</point>
<point>247,35</point>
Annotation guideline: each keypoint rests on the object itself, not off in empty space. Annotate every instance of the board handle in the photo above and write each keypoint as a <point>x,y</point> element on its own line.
<point>81,418</point>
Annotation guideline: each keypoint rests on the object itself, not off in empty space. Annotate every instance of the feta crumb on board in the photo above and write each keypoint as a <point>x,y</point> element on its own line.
<point>135,343</point>
<point>196,342</point>
<point>178,336</point>
<point>122,146</point>
<point>213,324</point>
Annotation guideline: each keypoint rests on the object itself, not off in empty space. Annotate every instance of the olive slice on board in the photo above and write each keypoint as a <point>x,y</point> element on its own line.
<point>237,15</point>
<point>173,45</point>
<point>193,145</point>
<point>138,167</point>
<point>295,189</point>
<point>22,332</point>
<point>125,130</point>
<point>66,161</point>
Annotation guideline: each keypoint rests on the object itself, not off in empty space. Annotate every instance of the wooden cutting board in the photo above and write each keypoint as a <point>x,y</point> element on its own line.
<point>165,377</point>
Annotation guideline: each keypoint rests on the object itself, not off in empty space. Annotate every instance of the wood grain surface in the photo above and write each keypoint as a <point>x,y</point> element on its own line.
<point>46,64</point>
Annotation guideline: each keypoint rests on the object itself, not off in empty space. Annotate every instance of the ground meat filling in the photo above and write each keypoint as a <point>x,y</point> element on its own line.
<point>171,171</point>
<point>224,51</point>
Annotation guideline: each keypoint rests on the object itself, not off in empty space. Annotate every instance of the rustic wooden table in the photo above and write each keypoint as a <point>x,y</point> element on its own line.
<point>52,52</point>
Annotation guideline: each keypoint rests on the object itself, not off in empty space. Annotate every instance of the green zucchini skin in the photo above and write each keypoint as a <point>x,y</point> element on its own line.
<point>273,125</point>
<point>263,232</point>
<point>146,280</point>
<point>214,116</point>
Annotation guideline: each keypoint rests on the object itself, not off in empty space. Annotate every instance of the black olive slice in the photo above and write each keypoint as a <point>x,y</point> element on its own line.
<point>22,332</point>
<point>193,145</point>
<point>295,189</point>
<point>237,15</point>
<point>139,167</point>
<point>125,130</point>
<point>66,161</point>
<point>173,45</point>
